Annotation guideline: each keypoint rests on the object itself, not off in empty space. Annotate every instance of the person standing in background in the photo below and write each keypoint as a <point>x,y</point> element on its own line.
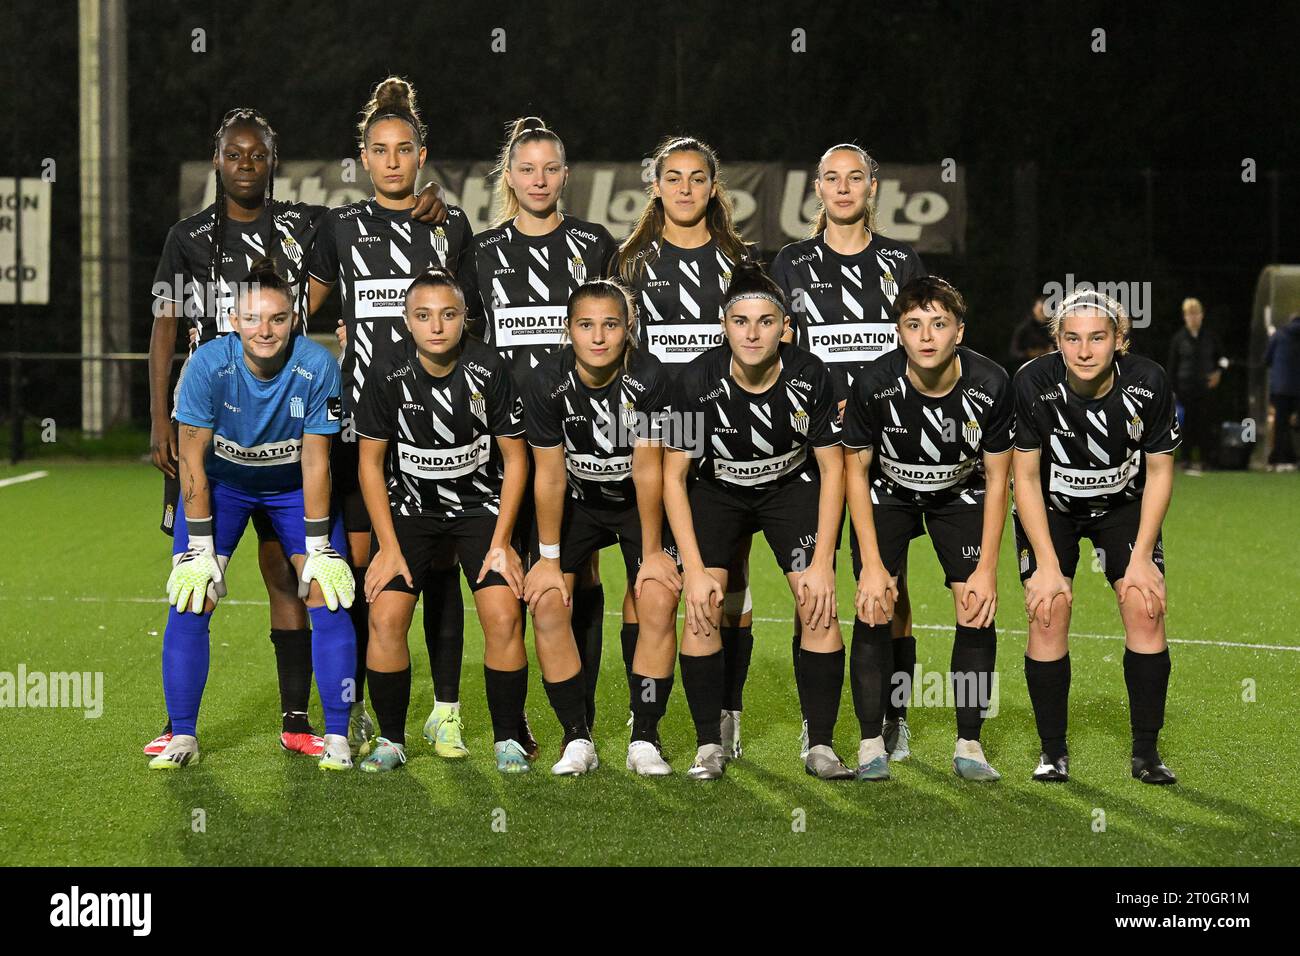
<point>1282,357</point>
<point>1194,368</point>
<point>1031,337</point>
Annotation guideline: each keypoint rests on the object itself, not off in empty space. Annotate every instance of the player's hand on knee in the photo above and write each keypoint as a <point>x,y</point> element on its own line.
<point>658,567</point>
<point>194,571</point>
<point>876,595</point>
<point>332,575</point>
<point>1144,577</point>
<point>703,596</point>
<point>545,576</point>
<point>1042,588</point>
<point>816,592</point>
<point>505,562</point>
<point>388,563</point>
<point>979,598</point>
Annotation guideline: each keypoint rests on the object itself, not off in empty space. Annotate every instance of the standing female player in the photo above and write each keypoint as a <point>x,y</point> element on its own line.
<point>841,283</point>
<point>443,461</point>
<point>528,265</point>
<point>928,431</point>
<point>373,249</point>
<point>593,411</point>
<point>748,412</point>
<point>678,260</point>
<point>204,259</point>
<point>1095,436</point>
<point>256,411</point>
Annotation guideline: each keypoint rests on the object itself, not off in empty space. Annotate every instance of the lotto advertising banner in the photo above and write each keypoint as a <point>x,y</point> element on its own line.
<point>774,202</point>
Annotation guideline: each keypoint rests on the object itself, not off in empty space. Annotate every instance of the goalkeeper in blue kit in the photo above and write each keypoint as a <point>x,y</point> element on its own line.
<point>256,411</point>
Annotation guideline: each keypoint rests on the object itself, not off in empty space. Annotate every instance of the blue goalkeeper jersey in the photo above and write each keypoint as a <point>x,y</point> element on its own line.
<point>257,426</point>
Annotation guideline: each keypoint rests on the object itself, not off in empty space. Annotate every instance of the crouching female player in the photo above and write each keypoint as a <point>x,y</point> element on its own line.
<point>256,413</point>
<point>928,433</point>
<point>443,415</point>
<point>1095,436</point>
<point>748,413</point>
<point>593,411</point>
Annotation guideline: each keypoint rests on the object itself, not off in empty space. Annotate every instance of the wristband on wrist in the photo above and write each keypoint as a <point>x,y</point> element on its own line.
<point>199,527</point>
<point>551,551</point>
<point>317,527</point>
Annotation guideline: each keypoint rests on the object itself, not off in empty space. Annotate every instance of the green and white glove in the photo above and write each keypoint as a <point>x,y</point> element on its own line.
<point>327,568</point>
<point>191,575</point>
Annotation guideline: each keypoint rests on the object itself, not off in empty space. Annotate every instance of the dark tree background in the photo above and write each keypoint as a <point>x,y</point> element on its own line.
<point>1138,150</point>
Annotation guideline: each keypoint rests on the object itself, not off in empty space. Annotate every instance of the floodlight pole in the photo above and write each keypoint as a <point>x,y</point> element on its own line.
<point>105,239</point>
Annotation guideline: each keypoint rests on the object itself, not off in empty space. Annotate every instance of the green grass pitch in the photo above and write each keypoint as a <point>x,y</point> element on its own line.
<point>81,586</point>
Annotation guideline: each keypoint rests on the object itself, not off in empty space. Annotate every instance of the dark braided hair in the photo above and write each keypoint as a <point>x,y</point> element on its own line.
<point>240,116</point>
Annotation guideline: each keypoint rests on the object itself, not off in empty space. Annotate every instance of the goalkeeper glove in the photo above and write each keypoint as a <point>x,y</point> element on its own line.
<point>327,568</point>
<point>192,575</point>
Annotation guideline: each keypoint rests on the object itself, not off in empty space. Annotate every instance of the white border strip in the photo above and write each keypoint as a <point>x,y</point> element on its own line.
<point>19,479</point>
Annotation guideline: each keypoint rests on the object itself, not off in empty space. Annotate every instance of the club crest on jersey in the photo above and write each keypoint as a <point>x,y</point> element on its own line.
<point>1134,426</point>
<point>478,406</point>
<point>295,407</point>
<point>1024,560</point>
<point>629,417</point>
<point>292,249</point>
<point>971,431</point>
<point>578,269</point>
<point>440,242</point>
<point>888,285</point>
<point>799,421</point>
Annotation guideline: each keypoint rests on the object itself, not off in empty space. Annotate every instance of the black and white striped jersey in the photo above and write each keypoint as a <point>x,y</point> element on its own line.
<point>842,306</point>
<point>598,428</point>
<point>679,295</point>
<point>373,253</point>
<point>443,461</point>
<point>925,450</point>
<point>284,232</point>
<point>525,283</point>
<point>1093,451</point>
<point>748,440</point>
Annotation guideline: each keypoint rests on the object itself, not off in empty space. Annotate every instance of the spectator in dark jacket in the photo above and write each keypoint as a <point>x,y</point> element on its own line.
<point>1195,369</point>
<point>1031,337</point>
<point>1282,357</point>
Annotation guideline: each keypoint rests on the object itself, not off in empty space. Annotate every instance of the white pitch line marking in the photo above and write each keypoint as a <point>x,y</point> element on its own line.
<point>19,479</point>
<point>761,620</point>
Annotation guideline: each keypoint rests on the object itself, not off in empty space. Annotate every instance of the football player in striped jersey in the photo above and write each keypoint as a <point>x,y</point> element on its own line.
<point>927,433</point>
<point>1095,437</point>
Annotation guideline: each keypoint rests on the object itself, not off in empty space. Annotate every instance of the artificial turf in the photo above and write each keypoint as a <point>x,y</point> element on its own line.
<point>81,589</point>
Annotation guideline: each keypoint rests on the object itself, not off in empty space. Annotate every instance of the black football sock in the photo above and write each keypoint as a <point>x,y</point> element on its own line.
<point>902,672</point>
<point>359,612</point>
<point>869,662</point>
<point>798,686</point>
<point>293,668</point>
<point>974,652</point>
<point>737,649</point>
<point>823,680</point>
<point>1049,692</point>
<point>568,700</point>
<point>649,703</point>
<point>507,691</point>
<point>702,682</point>
<point>628,638</point>
<point>390,698</point>
<point>589,632</point>
<point>444,632</point>
<point>1147,677</point>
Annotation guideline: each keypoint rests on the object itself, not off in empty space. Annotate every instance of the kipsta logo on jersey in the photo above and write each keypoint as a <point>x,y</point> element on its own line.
<point>295,407</point>
<point>799,421</point>
<point>478,405</point>
<point>971,431</point>
<point>578,269</point>
<point>1135,428</point>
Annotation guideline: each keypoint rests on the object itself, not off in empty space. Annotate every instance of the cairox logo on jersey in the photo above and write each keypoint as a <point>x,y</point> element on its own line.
<point>971,431</point>
<point>799,421</point>
<point>1134,426</point>
<point>272,453</point>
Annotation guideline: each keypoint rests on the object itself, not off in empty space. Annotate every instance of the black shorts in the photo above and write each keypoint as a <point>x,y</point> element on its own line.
<point>955,528</point>
<point>725,515</point>
<point>171,497</point>
<point>588,529</point>
<point>345,458</point>
<point>424,541</point>
<point>1112,534</point>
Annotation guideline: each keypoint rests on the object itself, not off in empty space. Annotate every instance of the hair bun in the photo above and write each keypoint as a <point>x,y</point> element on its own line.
<point>527,123</point>
<point>748,278</point>
<point>263,264</point>
<point>395,93</point>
